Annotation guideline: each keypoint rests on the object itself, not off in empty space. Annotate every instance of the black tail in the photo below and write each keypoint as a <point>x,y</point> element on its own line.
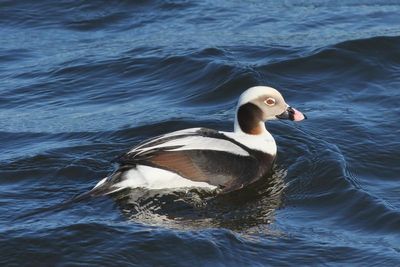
<point>105,188</point>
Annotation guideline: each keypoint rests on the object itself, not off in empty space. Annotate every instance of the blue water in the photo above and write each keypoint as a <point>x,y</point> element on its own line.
<point>83,81</point>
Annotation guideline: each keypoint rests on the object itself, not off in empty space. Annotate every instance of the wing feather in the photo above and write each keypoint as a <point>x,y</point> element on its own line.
<point>200,155</point>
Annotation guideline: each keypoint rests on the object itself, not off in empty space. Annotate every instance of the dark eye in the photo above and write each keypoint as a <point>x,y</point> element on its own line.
<point>269,101</point>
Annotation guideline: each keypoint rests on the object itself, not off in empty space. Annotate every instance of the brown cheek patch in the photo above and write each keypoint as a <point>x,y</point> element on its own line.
<point>255,130</point>
<point>249,117</point>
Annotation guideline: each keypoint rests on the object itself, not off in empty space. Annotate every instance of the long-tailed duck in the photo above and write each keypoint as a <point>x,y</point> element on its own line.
<point>201,157</point>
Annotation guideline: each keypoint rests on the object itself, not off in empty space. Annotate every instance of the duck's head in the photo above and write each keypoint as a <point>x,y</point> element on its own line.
<point>259,104</point>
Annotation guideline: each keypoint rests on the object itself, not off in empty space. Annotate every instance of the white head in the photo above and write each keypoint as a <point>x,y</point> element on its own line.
<point>259,104</point>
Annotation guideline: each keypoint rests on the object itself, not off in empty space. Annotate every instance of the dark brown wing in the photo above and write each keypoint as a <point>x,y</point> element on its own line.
<point>223,169</point>
<point>180,163</point>
<point>226,169</point>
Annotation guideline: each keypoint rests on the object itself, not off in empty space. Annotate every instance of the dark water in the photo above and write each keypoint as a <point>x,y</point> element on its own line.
<point>83,81</point>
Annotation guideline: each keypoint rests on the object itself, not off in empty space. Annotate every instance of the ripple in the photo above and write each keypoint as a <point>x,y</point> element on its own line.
<point>84,81</point>
<point>201,209</point>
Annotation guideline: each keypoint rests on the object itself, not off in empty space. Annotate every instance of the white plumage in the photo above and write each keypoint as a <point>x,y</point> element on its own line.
<point>192,142</point>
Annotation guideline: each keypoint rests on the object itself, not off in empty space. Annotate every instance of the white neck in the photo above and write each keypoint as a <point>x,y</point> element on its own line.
<point>263,142</point>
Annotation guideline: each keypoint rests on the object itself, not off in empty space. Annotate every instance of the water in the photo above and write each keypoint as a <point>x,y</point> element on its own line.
<point>82,82</point>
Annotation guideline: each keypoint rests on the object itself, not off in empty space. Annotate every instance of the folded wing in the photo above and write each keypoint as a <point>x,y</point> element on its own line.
<point>201,155</point>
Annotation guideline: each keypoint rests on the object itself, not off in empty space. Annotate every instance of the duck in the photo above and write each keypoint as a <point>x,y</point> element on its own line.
<point>203,157</point>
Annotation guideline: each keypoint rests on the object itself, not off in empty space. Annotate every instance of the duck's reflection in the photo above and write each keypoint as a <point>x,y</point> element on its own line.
<point>198,208</point>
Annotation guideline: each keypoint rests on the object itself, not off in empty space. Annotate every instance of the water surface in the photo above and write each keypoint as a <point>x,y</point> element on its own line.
<point>82,82</point>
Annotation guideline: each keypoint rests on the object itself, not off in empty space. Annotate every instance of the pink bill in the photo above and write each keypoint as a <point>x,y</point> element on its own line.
<point>298,116</point>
